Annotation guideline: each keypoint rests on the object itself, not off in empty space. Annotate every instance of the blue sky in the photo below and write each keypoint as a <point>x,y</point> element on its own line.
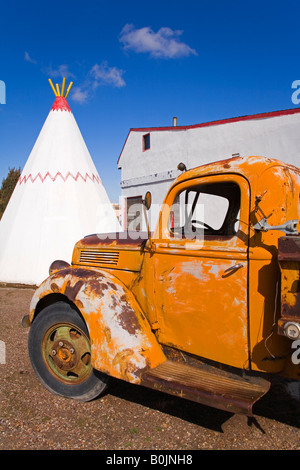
<point>138,64</point>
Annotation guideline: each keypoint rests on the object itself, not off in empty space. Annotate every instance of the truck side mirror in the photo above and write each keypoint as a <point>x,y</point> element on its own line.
<point>147,200</point>
<point>181,167</point>
<point>147,204</point>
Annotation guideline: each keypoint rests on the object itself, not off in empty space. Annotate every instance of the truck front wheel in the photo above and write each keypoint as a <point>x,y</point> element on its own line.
<point>60,353</point>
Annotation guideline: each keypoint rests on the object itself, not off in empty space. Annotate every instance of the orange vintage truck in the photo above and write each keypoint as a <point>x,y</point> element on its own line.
<point>206,308</point>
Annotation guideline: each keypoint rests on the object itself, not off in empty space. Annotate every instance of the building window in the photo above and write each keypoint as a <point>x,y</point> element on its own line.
<point>146,142</point>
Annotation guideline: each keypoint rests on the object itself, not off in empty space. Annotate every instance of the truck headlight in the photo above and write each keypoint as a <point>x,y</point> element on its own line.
<point>292,330</point>
<point>57,266</point>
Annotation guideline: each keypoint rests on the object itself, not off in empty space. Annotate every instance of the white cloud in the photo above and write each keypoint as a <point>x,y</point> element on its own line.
<point>27,58</point>
<point>99,75</point>
<point>164,44</point>
<point>105,75</point>
<point>79,95</point>
<point>61,71</point>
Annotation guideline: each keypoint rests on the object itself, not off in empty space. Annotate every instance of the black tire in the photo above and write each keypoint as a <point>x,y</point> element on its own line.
<point>59,351</point>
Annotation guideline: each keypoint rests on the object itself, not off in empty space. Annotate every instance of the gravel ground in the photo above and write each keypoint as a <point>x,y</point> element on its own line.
<point>128,417</point>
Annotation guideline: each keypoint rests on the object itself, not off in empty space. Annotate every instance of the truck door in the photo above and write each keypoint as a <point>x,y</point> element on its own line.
<point>200,265</point>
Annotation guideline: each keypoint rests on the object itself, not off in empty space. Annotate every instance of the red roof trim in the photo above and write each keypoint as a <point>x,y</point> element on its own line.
<point>214,123</point>
<point>224,121</point>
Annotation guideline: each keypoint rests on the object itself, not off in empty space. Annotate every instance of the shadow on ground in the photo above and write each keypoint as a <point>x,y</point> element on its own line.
<point>276,405</point>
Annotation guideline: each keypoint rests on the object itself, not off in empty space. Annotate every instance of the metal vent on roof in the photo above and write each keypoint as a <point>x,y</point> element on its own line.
<point>99,257</point>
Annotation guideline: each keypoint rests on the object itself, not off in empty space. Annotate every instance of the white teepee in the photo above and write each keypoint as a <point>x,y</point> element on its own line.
<point>58,200</point>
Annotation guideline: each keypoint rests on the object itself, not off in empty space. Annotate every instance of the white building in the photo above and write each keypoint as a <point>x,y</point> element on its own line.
<point>150,156</point>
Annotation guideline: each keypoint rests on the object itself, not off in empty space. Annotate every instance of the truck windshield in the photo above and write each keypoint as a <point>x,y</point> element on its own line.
<point>205,210</point>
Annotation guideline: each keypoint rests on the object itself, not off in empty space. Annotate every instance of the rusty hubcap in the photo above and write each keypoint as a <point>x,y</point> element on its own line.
<point>67,354</point>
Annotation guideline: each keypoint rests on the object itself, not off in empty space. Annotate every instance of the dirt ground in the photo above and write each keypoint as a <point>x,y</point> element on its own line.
<point>127,417</point>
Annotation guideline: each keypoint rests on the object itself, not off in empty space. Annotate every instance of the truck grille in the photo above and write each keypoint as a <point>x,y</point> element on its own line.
<point>99,257</point>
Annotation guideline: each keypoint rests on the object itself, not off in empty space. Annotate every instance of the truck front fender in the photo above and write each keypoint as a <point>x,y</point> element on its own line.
<point>122,342</point>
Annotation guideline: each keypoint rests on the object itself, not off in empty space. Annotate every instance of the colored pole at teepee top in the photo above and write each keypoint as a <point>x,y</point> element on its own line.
<point>61,92</point>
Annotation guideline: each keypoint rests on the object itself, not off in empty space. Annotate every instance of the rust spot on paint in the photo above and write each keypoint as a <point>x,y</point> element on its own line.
<point>54,287</point>
<point>98,286</point>
<point>78,304</point>
<point>114,240</point>
<point>127,319</point>
<point>72,291</point>
<point>114,302</point>
<point>107,334</point>
<point>111,285</point>
<point>122,360</point>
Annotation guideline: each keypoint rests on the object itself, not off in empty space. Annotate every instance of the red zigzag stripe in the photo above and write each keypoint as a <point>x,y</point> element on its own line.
<point>24,179</point>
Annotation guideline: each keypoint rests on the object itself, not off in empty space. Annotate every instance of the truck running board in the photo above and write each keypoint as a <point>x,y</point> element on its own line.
<point>209,386</point>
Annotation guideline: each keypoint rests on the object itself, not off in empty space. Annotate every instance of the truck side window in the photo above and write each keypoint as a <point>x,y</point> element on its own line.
<point>205,210</point>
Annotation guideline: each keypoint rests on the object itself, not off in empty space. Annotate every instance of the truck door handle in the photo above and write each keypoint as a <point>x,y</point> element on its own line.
<point>232,268</point>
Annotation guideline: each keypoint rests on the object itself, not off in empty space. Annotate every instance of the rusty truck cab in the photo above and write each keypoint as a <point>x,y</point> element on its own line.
<point>227,295</point>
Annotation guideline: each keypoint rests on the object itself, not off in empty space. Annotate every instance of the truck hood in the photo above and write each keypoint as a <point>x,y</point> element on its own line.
<point>123,250</point>
<point>112,240</point>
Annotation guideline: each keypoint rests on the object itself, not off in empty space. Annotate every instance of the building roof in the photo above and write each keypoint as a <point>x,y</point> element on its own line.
<point>250,117</point>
